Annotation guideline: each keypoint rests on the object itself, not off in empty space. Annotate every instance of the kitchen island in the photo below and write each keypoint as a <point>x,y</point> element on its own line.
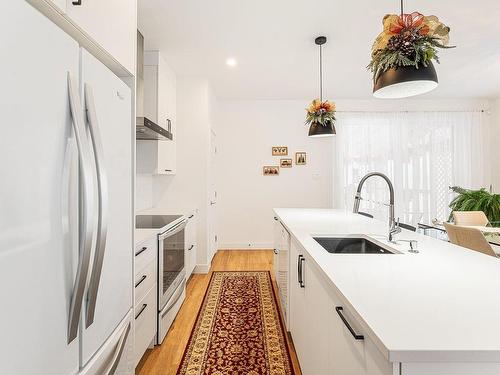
<point>432,312</point>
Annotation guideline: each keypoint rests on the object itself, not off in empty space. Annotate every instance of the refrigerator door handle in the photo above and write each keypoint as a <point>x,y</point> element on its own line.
<point>102,217</point>
<point>86,206</point>
<point>115,360</point>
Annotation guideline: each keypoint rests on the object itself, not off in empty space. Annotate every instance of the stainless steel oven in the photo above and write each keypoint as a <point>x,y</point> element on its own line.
<point>171,253</point>
<point>171,273</point>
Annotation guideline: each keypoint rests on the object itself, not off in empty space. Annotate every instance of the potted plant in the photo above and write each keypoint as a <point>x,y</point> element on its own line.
<point>321,117</point>
<point>477,200</point>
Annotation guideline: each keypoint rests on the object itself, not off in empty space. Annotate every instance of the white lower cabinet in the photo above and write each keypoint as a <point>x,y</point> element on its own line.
<point>145,324</point>
<point>145,295</point>
<point>191,248</point>
<point>323,342</point>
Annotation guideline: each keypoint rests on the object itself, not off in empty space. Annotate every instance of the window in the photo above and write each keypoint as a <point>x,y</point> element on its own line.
<point>423,153</point>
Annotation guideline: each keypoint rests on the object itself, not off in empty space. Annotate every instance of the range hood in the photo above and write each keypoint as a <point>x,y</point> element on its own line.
<point>145,129</point>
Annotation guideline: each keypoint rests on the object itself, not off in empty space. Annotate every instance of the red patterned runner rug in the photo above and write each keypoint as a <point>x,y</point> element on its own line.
<point>238,329</point>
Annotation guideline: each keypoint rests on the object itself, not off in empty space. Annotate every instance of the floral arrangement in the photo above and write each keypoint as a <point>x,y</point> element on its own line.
<point>408,40</point>
<point>321,112</point>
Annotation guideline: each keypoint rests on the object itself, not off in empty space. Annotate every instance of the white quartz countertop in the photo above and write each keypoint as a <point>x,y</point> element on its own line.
<point>442,304</point>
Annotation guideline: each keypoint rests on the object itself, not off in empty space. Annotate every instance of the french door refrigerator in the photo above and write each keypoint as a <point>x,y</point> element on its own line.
<point>66,204</point>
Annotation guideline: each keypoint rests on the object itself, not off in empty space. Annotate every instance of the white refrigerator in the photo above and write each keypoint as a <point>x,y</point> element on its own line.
<point>66,204</point>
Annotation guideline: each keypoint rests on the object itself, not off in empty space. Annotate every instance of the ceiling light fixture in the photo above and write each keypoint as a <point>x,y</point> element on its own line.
<point>231,62</point>
<point>321,115</point>
<point>402,55</point>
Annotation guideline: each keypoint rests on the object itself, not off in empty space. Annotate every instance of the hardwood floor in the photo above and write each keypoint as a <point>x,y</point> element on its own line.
<point>164,359</point>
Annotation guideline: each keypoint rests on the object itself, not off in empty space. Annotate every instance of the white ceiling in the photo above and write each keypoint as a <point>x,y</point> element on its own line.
<point>273,42</point>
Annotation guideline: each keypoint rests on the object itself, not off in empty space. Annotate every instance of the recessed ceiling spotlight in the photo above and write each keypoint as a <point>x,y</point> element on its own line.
<point>231,62</point>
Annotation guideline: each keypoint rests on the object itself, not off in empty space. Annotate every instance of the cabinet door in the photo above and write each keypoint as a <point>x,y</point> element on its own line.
<point>166,94</point>
<point>299,313</point>
<point>112,108</point>
<point>309,318</point>
<point>111,23</point>
<point>166,157</point>
<point>190,235</point>
<point>277,245</point>
<point>348,355</point>
<point>38,194</point>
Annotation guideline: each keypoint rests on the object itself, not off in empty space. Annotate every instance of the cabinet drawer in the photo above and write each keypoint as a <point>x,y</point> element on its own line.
<point>144,280</point>
<point>145,324</point>
<point>145,253</point>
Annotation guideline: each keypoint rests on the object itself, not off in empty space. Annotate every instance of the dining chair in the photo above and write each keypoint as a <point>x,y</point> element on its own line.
<point>471,238</point>
<point>467,218</point>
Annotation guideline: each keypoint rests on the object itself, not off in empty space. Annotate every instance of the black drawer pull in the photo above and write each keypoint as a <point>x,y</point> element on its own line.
<point>142,310</point>
<point>140,281</point>
<point>77,2</point>
<point>191,216</point>
<point>141,251</point>
<point>340,310</point>
<point>300,270</point>
<point>191,247</point>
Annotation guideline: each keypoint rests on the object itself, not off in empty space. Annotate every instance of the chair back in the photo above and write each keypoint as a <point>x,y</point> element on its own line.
<point>466,218</point>
<point>471,238</point>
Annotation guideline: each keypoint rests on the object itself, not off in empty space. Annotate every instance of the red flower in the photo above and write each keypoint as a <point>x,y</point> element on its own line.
<point>414,20</point>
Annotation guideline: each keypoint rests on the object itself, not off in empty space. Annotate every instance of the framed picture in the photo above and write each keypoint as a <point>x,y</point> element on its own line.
<point>280,151</point>
<point>271,170</point>
<point>285,163</point>
<point>300,158</point>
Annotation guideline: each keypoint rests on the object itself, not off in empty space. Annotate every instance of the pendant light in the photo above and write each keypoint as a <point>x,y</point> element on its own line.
<point>317,130</point>
<point>405,81</point>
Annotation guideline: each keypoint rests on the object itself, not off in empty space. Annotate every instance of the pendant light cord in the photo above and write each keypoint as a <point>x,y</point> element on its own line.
<point>402,7</point>
<point>320,74</point>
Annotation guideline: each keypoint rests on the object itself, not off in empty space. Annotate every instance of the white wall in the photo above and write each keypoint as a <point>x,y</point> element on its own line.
<point>188,188</point>
<point>143,191</point>
<point>246,131</point>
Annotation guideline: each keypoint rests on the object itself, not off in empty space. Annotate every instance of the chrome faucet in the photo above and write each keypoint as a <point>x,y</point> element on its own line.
<point>393,225</point>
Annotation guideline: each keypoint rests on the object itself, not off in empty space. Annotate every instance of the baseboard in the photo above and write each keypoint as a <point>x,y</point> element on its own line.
<point>201,268</point>
<point>245,246</point>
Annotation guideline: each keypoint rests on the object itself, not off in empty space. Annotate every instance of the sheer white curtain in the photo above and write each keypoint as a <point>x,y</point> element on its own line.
<point>423,153</point>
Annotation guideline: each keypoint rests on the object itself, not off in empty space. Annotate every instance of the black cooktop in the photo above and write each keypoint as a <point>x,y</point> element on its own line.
<point>154,221</point>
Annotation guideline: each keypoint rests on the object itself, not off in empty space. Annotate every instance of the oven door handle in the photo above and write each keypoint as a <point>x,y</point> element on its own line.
<point>174,299</point>
<point>176,229</point>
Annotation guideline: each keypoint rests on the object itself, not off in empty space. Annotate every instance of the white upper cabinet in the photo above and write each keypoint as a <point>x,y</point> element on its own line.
<point>111,23</point>
<point>158,157</point>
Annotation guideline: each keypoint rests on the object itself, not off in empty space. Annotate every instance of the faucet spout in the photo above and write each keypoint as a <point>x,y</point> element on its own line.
<point>358,198</point>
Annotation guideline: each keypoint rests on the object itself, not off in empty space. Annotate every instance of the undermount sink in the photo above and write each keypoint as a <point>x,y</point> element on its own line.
<point>350,245</point>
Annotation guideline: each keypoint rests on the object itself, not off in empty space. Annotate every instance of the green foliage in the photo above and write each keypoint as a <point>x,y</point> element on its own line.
<point>425,50</point>
<point>477,200</point>
<point>323,118</point>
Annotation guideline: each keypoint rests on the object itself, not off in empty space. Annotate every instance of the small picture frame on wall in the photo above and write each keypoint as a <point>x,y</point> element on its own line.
<point>300,158</point>
<point>285,163</point>
<point>271,170</point>
<point>280,151</point>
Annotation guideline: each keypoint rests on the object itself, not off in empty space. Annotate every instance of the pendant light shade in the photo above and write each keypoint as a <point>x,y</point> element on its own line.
<point>402,54</point>
<point>317,130</point>
<point>405,81</point>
